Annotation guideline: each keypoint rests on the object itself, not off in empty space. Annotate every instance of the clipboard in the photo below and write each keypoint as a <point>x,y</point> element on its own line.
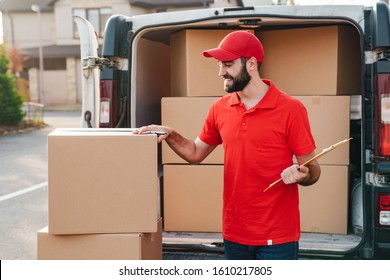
<point>324,152</point>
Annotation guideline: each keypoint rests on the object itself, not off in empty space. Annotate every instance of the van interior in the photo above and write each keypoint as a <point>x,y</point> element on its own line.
<point>316,60</point>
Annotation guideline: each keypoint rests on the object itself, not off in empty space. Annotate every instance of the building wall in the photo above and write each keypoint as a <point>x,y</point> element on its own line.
<point>64,86</point>
<point>257,2</point>
<point>56,87</point>
<point>22,29</point>
<point>64,22</point>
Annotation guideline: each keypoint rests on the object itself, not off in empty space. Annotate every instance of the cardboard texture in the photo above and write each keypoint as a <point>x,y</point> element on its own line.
<point>328,116</point>
<point>102,181</point>
<point>187,116</point>
<point>191,73</point>
<point>193,198</point>
<point>329,122</point>
<point>121,246</point>
<point>324,205</point>
<point>313,61</point>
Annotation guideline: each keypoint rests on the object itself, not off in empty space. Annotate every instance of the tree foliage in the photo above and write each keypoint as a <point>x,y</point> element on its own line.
<point>15,60</point>
<point>11,112</point>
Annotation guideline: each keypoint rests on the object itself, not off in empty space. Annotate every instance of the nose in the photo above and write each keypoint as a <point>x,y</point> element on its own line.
<point>222,70</point>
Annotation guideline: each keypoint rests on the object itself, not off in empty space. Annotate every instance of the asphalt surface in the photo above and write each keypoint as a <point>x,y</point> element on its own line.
<point>23,186</point>
<point>23,191</point>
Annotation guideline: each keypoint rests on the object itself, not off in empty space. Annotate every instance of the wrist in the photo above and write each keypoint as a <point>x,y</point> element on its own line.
<point>312,176</point>
<point>306,181</point>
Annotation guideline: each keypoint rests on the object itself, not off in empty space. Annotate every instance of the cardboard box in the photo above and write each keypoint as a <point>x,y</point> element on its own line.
<point>329,118</point>
<point>193,198</point>
<point>102,181</point>
<point>313,61</point>
<point>191,73</point>
<point>187,115</point>
<point>328,115</point>
<point>324,205</point>
<point>120,246</point>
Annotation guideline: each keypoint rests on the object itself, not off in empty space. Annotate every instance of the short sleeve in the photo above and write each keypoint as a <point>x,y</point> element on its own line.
<point>210,133</point>
<point>300,139</point>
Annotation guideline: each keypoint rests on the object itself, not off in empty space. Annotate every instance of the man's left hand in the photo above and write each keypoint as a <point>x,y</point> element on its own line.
<point>294,174</point>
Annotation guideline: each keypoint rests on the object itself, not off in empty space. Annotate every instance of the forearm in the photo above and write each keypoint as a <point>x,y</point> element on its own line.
<point>191,151</point>
<point>183,147</point>
<point>312,176</point>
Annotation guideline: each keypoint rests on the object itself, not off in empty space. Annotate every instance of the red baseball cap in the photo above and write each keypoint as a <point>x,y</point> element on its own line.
<point>235,45</point>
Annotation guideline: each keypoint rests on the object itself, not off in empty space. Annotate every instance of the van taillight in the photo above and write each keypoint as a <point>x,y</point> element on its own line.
<point>386,140</point>
<point>382,99</point>
<point>108,89</point>
<point>383,204</point>
<point>105,111</point>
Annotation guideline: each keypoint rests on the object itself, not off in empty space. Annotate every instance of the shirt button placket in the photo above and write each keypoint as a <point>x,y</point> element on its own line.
<point>243,123</point>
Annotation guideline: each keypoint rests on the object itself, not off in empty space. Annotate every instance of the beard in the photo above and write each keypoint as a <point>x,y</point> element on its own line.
<point>239,82</point>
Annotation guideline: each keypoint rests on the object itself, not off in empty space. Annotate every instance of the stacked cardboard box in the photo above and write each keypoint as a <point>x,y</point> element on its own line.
<point>324,206</point>
<point>313,60</point>
<point>193,198</point>
<point>106,246</point>
<point>201,178</point>
<point>191,74</point>
<point>103,196</point>
<point>320,66</point>
<point>192,194</point>
<point>309,63</point>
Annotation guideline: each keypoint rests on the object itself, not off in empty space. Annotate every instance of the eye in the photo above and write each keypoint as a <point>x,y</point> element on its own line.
<point>225,63</point>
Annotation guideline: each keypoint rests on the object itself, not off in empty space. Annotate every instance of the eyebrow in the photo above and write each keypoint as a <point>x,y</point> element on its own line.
<point>224,62</point>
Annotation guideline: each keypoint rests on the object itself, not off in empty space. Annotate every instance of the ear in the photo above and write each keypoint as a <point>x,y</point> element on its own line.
<point>251,64</point>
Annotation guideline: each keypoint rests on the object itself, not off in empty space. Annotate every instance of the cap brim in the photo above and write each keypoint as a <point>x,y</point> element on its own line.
<point>220,54</point>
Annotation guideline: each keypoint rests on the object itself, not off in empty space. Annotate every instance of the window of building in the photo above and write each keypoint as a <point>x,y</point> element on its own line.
<point>96,16</point>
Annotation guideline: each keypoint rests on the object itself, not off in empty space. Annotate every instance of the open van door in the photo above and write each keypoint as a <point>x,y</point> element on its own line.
<point>90,73</point>
<point>379,145</point>
<point>103,106</point>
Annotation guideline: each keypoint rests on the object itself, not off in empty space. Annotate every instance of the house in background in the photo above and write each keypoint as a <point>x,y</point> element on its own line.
<point>47,26</point>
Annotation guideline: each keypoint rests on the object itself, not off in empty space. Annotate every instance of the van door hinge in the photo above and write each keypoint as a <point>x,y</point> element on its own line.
<point>373,56</point>
<point>118,63</point>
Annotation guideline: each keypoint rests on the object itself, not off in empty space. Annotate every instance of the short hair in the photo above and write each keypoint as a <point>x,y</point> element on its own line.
<point>244,60</point>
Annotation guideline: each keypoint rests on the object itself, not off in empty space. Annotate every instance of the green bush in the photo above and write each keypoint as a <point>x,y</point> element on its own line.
<point>11,113</point>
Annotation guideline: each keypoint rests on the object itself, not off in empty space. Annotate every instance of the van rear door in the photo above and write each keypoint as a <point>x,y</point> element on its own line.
<point>105,98</point>
<point>378,133</point>
<point>114,76</point>
<point>90,74</point>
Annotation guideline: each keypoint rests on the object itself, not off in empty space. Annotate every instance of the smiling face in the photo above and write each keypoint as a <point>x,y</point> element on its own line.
<point>235,74</point>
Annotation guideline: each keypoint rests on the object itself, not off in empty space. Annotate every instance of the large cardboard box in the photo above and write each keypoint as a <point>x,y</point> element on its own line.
<point>119,246</point>
<point>193,198</point>
<point>324,205</point>
<point>329,118</point>
<point>191,73</point>
<point>313,61</point>
<point>187,115</point>
<point>328,115</point>
<point>102,181</point>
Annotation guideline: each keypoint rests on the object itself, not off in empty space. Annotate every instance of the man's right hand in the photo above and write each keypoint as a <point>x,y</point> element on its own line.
<point>165,131</point>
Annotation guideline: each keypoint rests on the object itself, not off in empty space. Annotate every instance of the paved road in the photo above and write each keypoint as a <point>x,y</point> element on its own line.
<point>23,186</point>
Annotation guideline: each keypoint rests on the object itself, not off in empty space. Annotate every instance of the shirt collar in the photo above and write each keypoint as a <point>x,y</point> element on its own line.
<point>269,100</point>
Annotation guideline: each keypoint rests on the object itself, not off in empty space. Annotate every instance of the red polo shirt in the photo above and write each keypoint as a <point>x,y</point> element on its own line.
<point>259,144</point>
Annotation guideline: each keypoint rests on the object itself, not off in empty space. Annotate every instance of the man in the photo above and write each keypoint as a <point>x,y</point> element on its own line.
<point>261,128</point>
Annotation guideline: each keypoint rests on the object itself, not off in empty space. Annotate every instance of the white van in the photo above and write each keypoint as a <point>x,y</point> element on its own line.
<point>335,59</point>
